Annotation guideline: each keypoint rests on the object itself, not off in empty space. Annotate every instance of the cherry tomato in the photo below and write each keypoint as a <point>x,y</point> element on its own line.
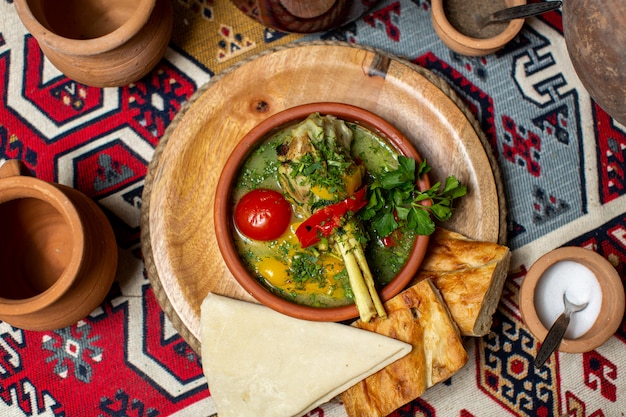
<point>263,214</point>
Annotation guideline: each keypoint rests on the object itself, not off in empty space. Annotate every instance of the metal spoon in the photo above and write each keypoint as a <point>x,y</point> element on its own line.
<point>556,332</point>
<point>516,12</point>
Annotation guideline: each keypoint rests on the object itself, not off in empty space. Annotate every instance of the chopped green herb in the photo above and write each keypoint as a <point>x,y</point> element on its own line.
<point>394,199</point>
<point>306,268</point>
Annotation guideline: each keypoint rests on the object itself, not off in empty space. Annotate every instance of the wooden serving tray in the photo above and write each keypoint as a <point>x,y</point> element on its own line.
<point>179,244</point>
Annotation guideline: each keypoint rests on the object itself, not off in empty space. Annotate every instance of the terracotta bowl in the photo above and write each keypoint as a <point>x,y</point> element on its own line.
<point>224,223</point>
<point>460,42</point>
<point>611,310</point>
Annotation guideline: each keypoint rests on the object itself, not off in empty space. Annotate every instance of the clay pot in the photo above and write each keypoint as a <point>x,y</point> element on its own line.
<point>455,38</point>
<point>300,16</point>
<point>612,306</point>
<point>102,43</point>
<point>58,254</point>
<point>595,35</point>
<point>223,208</point>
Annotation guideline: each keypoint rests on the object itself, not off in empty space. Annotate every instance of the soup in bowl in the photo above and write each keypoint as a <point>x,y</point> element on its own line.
<point>294,213</point>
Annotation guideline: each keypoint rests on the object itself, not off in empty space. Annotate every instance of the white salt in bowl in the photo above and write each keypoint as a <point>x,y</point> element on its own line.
<point>587,277</point>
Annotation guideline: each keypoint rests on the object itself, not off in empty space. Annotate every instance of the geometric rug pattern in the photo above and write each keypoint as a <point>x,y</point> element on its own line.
<point>563,166</point>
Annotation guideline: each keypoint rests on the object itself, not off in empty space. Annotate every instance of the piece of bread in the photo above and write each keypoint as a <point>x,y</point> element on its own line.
<point>417,316</point>
<point>259,362</point>
<point>469,274</point>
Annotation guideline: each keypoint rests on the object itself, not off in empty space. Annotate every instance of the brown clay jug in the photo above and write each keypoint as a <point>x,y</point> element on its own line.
<point>595,35</point>
<point>302,16</point>
<point>58,254</point>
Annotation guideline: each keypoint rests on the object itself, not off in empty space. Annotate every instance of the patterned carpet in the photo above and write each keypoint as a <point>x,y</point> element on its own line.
<point>562,163</point>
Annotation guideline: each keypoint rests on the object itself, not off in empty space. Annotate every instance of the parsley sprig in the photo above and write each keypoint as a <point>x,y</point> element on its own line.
<point>395,200</point>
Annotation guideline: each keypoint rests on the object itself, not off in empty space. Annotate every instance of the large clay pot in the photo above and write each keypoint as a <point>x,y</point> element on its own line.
<point>302,16</point>
<point>102,43</point>
<point>595,34</point>
<point>58,254</point>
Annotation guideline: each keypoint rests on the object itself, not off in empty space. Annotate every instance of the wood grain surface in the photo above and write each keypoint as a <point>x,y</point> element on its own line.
<point>178,238</point>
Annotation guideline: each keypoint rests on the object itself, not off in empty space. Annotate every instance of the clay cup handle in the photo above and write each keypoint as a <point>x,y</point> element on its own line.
<point>13,168</point>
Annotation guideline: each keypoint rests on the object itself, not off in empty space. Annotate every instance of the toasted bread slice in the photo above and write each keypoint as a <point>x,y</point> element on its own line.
<point>420,317</point>
<point>469,274</point>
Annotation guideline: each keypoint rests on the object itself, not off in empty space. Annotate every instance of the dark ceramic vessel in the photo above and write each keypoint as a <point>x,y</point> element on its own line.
<point>595,35</point>
<point>299,16</point>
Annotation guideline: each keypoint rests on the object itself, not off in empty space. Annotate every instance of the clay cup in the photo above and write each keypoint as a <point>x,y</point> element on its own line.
<point>58,254</point>
<point>101,43</point>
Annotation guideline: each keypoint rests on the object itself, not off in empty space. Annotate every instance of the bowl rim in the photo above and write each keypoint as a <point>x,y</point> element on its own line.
<point>224,223</point>
<point>611,314</point>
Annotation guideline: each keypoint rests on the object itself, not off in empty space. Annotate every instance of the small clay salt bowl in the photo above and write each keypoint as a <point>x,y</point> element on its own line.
<point>223,208</point>
<point>453,23</point>
<point>585,276</point>
<point>58,254</point>
<point>101,43</point>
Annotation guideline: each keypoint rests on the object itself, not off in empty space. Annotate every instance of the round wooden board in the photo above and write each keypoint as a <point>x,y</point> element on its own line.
<point>178,237</point>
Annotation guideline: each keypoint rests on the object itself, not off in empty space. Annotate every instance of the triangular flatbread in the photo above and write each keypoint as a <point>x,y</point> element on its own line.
<point>259,362</point>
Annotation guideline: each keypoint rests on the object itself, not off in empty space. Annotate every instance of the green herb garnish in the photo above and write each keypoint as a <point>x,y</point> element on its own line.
<point>307,268</point>
<point>395,200</point>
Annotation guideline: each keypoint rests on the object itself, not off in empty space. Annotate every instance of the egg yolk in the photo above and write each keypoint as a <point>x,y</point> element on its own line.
<point>352,182</point>
<point>274,271</point>
<point>332,266</point>
<point>277,274</point>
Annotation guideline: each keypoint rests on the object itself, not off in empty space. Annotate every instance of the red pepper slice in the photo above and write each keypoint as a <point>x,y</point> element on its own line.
<point>389,241</point>
<point>327,219</point>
